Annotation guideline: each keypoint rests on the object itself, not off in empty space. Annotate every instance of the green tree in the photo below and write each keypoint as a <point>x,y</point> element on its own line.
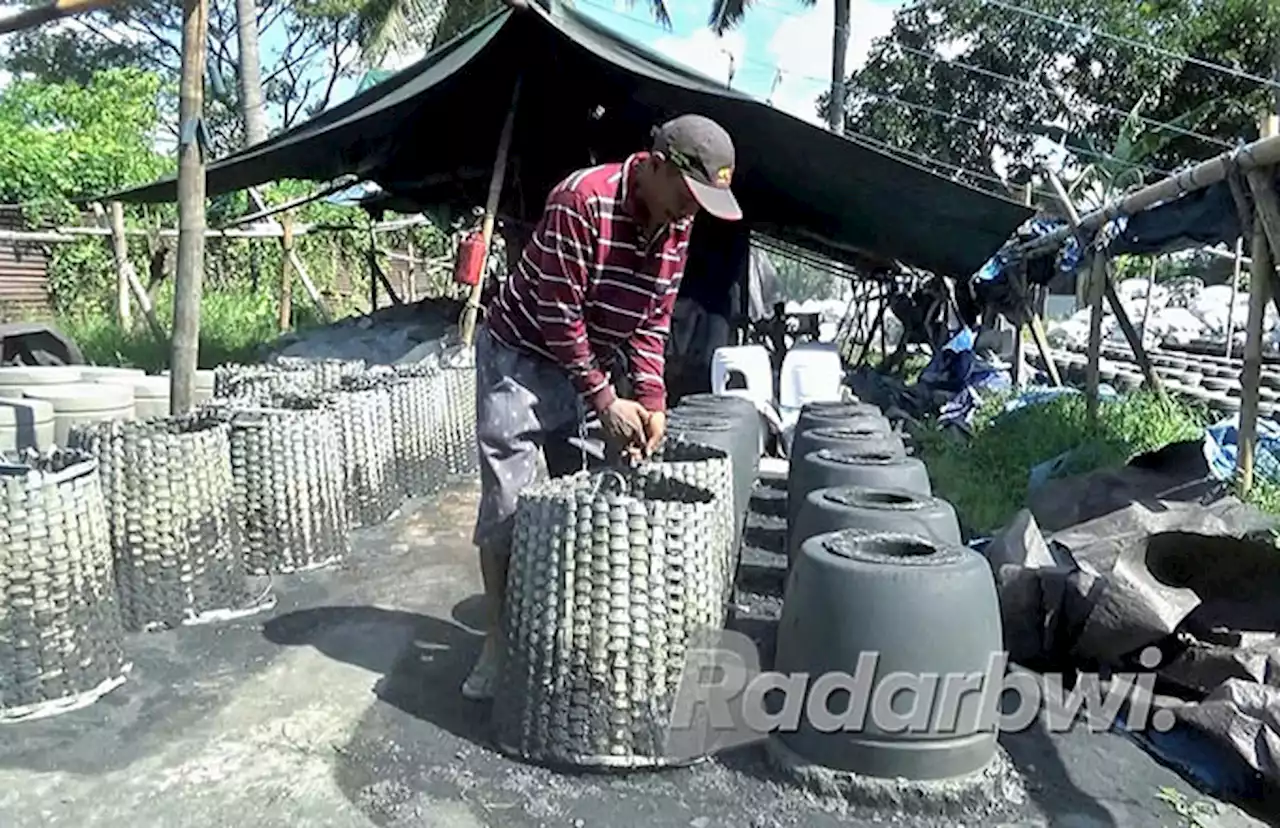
<point>311,53</point>
<point>1064,75</point>
<point>800,282</point>
<point>59,141</point>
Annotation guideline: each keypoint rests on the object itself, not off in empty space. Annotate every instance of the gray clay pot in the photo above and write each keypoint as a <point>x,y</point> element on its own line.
<point>852,466</point>
<point>1217,383</point>
<point>742,411</point>
<point>877,510</point>
<point>916,607</point>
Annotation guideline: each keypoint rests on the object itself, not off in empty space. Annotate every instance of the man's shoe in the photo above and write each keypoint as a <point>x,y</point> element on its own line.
<point>479,685</point>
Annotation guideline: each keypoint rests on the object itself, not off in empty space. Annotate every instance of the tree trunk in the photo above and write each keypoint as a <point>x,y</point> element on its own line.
<point>251,107</point>
<point>840,47</point>
<point>191,212</point>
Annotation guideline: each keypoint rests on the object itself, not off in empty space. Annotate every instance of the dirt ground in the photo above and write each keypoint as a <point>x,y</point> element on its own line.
<point>340,708</point>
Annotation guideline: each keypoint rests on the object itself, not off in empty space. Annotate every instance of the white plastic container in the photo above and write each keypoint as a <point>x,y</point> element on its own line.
<point>97,373</point>
<point>811,372</point>
<point>747,368</point>
<point>26,423</point>
<point>204,384</point>
<point>150,394</point>
<point>13,378</point>
<point>85,402</point>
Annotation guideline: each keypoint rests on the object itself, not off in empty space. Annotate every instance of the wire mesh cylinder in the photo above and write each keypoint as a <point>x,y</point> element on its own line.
<point>416,408</point>
<point>61,635</point>
<point>371,485</point>
<point>289,498</point>
<point>168,489</point>
<point>457,381</point>
<point>262,382</point>
<point>709,468</point>
<point>605,593</point>
<point>326,374</point>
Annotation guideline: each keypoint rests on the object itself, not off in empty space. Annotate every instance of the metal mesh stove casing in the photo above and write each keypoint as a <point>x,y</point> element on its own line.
<point>168,490</point>
<point>61,635</point>
<point>606,591</point>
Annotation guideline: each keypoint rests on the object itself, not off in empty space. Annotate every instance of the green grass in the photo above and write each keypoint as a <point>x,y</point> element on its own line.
<point>986,478</point>
<point>234,327</point>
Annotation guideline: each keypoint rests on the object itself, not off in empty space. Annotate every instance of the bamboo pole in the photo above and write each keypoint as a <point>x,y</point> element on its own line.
<point>1100,287</point>
<point>471,314</point>
<point>191,209</point>
<point>1235,295</point>
<point>1260,154</point>
<point>120,249</point>
<point>1260,285</point>
<point>286,273</point>
<point>1028,198</point>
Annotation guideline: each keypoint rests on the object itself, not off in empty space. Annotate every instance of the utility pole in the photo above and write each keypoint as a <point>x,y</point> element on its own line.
<point>191,208</point>
<point>840,47</point>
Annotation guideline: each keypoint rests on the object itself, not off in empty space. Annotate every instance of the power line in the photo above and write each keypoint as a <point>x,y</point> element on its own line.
<point>876,143</point>
<point>974,122</point>
<point>907,104</point>
<point>1137,44</point>
<point>1040,88</point>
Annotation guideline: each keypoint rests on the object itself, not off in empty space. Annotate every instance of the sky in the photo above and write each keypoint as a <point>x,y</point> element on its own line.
<point>781,52</point>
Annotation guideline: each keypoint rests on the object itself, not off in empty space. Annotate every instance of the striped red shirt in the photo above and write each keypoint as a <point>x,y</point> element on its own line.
<point>588,285</point>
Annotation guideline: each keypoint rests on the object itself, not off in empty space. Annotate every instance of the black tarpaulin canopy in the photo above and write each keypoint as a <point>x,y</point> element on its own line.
<point>428,136</point>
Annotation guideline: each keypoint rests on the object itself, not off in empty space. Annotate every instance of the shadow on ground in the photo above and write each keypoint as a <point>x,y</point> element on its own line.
<point>422,679</point>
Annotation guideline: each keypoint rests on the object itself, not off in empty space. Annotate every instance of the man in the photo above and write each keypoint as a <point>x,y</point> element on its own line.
<point>587,309</point>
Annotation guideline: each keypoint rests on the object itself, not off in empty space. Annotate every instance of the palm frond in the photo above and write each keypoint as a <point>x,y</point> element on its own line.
<point>659,10</point>
<point>388,26</point>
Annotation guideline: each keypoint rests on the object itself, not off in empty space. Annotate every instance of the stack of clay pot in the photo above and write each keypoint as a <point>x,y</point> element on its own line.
<point>1208,378</point>
<point>72,398</point>
<point>839,445</point>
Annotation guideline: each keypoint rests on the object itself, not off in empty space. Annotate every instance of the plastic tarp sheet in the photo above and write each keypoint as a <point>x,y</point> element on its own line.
<point>428,135</point>
<point>1221,446</point>
<point>1141,568</point>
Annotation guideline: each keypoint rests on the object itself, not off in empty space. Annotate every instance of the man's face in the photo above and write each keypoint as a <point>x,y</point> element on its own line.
<point>671,199</point>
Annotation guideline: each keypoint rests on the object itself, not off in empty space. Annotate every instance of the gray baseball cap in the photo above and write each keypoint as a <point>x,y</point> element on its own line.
<point>703,152</point>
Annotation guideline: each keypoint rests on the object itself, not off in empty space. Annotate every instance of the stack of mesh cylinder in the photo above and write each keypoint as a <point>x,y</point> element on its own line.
<point>609,587</point>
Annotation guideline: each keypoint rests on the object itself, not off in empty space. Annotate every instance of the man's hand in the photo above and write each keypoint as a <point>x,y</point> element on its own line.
<point>624,423</point>
<point>655,427</point>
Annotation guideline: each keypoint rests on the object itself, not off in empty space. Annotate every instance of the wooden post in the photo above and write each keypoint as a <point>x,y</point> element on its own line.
<point>411,275</point>
<point>1100,287</point>
<point>373,267</point>
<point>120,249</point>
<point>1262,272</point>
<point>1097,290</point>
<point>1151,288</point>
<point>1259,288</point>
<point>1235,294</point>
<point>1028,198</point>
<point>298,267</point>
<point>286,273</point>
<point>471,313</point>
<point>191,209</point>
